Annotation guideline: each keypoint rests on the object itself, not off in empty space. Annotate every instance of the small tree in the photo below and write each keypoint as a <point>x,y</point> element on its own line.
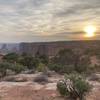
<point>74,86</point>
<point>41,67</point>
<point>11,57</point>
<point>82,63</point>
<point>68,60</point>
<point>3,68</point>
<point>44,59</point>
<point>28,61</point>
<point>17,68</point>
<point>64,57</point>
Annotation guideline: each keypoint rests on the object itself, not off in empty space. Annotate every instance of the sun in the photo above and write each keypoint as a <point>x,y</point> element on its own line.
<point>90,31</point>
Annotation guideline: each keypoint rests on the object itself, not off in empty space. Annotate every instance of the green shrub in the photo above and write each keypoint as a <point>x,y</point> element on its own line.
<point>17,68</point>
<point>3,68</point>
<point>28,61</point>
<point>62,69</point>
<point>11,57</point>
<point>82,88</point>
<point>41,67</point>
<point>55,67</point>
<point>67,61</point>
<point>43,59</point>
<point>61,86</point>
<point>74,86</point>
<point>68,69</point>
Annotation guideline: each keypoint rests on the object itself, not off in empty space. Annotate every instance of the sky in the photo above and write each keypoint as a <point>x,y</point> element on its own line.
<point>47,20</point>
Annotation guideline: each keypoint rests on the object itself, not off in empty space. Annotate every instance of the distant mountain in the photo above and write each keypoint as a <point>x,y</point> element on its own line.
<point>52,48</point>
<point>48,48</point>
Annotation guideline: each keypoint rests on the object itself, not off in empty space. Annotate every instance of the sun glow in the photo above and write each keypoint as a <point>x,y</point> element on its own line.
<point>90,31</point>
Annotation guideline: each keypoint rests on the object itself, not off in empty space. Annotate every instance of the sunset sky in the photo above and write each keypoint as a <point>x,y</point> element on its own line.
<point>47,20</point>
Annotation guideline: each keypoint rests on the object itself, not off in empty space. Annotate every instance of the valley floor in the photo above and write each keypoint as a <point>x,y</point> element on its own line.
<point>33,91</point>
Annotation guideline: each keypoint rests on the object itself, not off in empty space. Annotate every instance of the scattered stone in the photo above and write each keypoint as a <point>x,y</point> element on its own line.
<point>42,79</point>
<point>94,77</point>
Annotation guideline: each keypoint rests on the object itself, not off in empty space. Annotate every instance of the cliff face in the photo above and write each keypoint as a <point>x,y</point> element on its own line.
<point>51,48</point>
<point>47,48</point>
<point>9,47</point>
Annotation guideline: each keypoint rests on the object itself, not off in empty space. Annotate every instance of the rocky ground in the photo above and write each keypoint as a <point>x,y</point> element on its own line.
<point>30,90</point>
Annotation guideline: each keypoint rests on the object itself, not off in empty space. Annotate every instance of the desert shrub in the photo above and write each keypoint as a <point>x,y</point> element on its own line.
<point>82,88</point>
<point>64,57</point>
<point>81,68</point>
<point>41,79</point>
<point>62,69</point>
<point>11,57</point>
<point>55,67</point>
<point>67,61</point>
<point>74,86</point>
<point>41,67</point>
<point>17,68</point>
<point>3,68</point>
<point>68,69</point>
<point>81,63</point>
<point>61,86</point>
<point>43,59</point>
<point>28,61</point>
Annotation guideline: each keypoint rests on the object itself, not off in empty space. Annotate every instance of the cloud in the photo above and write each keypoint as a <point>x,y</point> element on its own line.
<point>52,19</point>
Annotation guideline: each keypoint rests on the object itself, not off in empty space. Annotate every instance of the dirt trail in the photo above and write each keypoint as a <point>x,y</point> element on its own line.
<point>27,91</point>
